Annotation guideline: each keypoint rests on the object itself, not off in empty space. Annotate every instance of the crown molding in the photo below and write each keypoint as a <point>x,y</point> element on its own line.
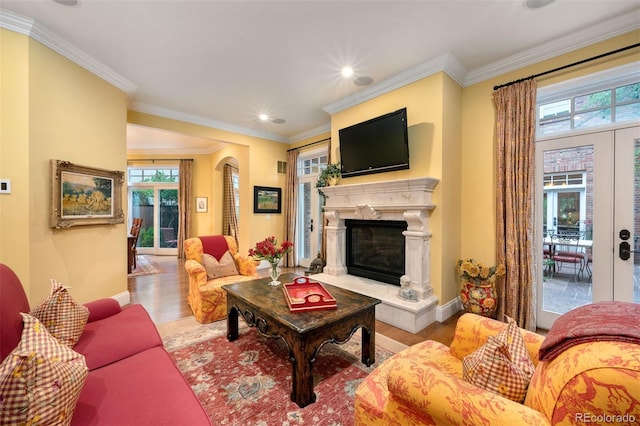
<point>601,31</point>
<point>202,121</point>
<point>446,62</point>
<point>170,151</point>
<point>37,31</point>
<point>310,133</point>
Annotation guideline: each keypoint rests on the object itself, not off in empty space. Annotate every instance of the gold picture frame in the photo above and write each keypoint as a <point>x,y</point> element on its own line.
<point>82,195</point>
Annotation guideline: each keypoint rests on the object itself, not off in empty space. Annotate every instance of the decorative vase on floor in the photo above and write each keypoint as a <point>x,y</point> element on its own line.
<point>274,273</point>
<point>478,292</point>
<point>479,297</point>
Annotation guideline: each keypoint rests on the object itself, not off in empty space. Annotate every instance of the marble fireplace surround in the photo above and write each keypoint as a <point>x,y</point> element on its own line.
<point>406,200</point>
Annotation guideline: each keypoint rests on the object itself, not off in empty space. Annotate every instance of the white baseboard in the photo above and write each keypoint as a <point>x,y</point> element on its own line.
<point>446,311</point>
<point>123,298</point>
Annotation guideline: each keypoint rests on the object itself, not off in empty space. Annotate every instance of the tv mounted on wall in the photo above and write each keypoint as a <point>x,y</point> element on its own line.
<point>375,146</point>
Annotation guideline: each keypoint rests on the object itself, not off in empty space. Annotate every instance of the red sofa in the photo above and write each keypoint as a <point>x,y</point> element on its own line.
<point>131,381</point>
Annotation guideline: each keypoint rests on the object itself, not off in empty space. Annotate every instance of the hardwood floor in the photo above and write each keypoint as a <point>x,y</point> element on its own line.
<point>164,295</point>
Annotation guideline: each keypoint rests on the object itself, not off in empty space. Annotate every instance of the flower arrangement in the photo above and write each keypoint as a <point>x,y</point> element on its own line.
<point>268,250</point>
<point>470,270</point>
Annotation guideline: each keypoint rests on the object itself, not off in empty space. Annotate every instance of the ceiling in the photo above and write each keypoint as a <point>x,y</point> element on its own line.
<point>222,63</point>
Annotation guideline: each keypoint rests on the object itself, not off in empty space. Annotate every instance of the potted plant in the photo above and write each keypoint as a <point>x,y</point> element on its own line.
<point>329,176</point>
<point>478,286</point>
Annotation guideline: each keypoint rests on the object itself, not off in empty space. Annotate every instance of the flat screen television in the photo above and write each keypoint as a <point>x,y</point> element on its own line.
<point>375,146</point>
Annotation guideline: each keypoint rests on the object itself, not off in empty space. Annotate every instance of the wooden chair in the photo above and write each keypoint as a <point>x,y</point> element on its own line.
<point>134,233</point>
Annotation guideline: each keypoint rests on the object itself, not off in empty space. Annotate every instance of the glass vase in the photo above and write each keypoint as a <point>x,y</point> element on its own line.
<point>274,273</point>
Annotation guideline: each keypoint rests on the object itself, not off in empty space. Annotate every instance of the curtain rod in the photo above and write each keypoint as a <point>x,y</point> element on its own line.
<point>309,144</point>
<point>613,52</point>
<point>153,160</point>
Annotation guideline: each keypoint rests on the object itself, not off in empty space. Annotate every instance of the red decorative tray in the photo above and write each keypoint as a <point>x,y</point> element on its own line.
<point>306,295</point>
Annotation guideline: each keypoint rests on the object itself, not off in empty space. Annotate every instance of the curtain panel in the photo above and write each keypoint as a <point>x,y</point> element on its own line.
<point>184,203</point>
<point>515,134</point>
<point>291,206</point>
<point>229,214</point>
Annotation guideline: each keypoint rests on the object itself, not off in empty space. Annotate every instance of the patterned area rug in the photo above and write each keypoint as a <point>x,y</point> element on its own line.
<point>146,266</point>
<point>248,382</point>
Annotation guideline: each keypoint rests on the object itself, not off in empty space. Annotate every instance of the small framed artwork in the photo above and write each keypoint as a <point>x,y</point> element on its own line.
<point>267,199</point>
<point>201,204</point>
<point>83,195</point>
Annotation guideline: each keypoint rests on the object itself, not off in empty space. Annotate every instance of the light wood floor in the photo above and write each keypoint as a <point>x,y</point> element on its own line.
<point>165,297</point>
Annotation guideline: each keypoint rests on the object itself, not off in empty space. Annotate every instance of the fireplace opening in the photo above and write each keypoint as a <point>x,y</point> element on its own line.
<point>375,249</point>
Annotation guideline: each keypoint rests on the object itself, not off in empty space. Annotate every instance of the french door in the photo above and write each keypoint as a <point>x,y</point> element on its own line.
<point>157,205</point>
<point>309,221</point>
<point>588,188</point>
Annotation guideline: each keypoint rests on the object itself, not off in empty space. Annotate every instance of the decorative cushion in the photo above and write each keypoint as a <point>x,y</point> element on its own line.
<point>246,265</point>
<point>502,365</point>
<point>61,315</point>
<point>41,380</point>
<point>225,267</point>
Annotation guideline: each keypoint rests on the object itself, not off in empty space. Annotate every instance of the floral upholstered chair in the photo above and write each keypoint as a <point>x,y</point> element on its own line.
<point>213,261</point>
<point>586,381</point>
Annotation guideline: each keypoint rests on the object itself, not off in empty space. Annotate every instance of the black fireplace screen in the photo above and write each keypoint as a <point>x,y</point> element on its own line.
<point>375,249</point>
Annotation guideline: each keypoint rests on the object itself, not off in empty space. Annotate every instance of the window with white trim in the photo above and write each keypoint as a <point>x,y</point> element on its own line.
<point>598,100</point>
<point>312,164</point>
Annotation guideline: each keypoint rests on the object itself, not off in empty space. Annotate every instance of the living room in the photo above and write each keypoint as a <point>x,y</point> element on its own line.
<point>451,139</point>
<point>55,108</point>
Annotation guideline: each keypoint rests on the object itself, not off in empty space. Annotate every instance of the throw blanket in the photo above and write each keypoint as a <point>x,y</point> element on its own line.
<point>215,245</point>
<point>602,321</point>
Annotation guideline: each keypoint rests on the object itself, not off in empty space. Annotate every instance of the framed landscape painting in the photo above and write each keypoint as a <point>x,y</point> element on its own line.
<point>267,199</point>
<point>82,195</point>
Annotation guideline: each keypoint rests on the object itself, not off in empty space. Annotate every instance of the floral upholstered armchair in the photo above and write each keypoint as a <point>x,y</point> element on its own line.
<point>424,385</point>
<point>213,261</point>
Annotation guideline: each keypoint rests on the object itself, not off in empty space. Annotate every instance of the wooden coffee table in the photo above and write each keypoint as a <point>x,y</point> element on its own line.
<point>264,306</point>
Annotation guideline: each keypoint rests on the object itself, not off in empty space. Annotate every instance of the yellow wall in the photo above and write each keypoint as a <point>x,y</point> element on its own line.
<point>478,140</point>
<point>14,153</point>
<point>64,112</point>
<point>433,114</point>
<point>257,159</point>
<point>451,137</point>
<point>53,109</point>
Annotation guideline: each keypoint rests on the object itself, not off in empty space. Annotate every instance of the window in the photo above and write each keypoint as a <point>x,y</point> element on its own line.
<point>153,174</point>
<point>600,99</point>
<point>312,165</point>
<point>235,179</point>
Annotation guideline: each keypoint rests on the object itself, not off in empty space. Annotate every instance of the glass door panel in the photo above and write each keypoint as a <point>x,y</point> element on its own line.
<point>158,208</point>
<point>309,232</point>
<point>142,206</point>
<point>168,215</point>
<point>607,201</point>
<point>627,216</point>
<point>567,212</point>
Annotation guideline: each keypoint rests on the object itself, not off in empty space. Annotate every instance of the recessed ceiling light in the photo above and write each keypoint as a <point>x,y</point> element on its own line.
<point>536,4</point>
<point>363,81</point>
<point>264,117</point>
<point>347,72</point>
<point>278,121</point>
<point>68,2</point>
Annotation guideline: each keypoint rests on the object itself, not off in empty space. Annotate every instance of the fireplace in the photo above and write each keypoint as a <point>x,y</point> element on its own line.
<point>405,201</point>
<point>375,249</point>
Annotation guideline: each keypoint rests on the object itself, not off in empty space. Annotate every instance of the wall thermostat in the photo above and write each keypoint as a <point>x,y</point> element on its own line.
<point>5,186</point>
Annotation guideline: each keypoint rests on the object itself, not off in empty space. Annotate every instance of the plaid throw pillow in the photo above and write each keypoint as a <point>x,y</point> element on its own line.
<point>61,315</point>
<point>502,365</point>
<point>41,380</point>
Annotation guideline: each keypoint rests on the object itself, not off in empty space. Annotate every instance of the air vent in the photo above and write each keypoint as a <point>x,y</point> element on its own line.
<point>282,167</point>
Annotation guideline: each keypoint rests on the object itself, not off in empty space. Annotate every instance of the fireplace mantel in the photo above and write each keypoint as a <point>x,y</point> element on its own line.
<point>409,200</point>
